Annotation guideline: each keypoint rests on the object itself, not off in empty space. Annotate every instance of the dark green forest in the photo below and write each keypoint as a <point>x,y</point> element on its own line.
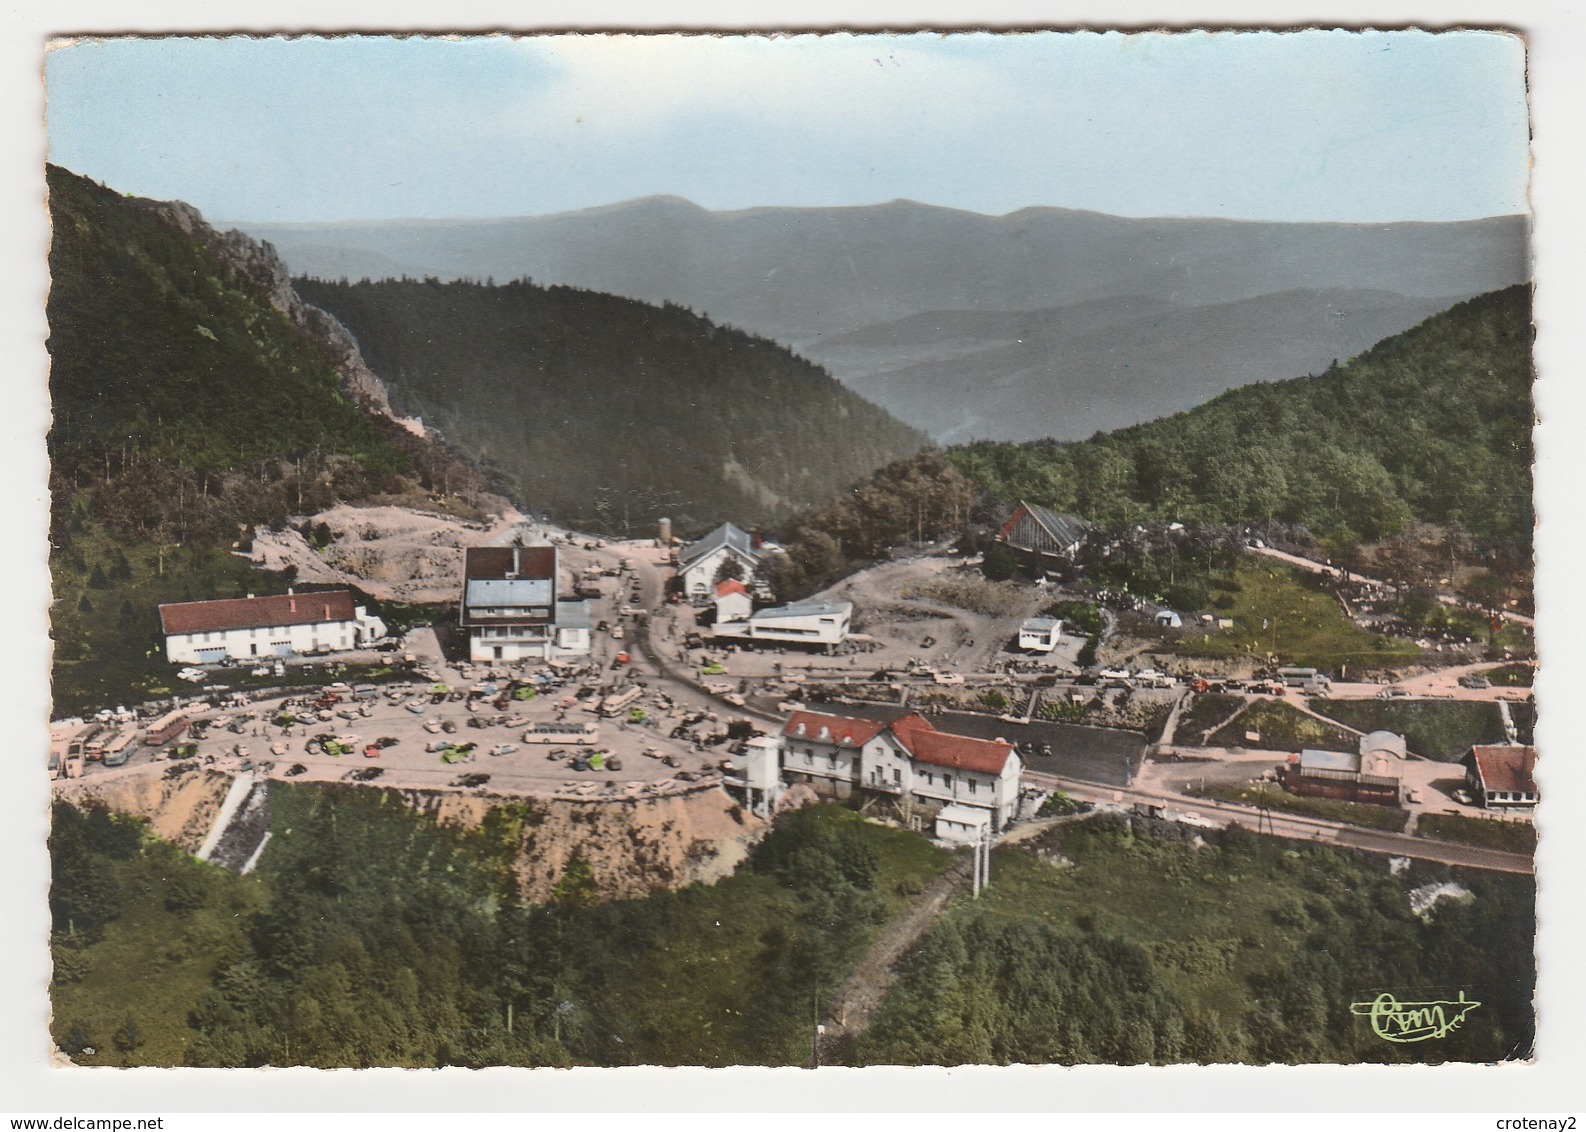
<point>159,347</point>
<point>609,413</point>
<point>1433,424</point>
<point>371,936</point>
<point>1071,957</point>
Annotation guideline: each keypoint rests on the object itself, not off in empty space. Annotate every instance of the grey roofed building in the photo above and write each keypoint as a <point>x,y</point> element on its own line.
<point>728,535</point>
<point>1311,759</point>
<point>1039,530</point>
<point>485,594</point>
<point>1039,624</point>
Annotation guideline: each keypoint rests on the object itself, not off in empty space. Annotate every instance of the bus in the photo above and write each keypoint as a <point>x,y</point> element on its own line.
<point>618,702</point>
<point>166,728</point>
<point>573,734</point>
<point>119,748</point>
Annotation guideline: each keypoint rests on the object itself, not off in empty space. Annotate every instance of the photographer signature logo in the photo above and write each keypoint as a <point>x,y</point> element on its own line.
<point>1395,1021</point>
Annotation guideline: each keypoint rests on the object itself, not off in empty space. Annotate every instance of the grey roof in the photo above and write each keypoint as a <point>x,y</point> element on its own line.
<point>804,609</point>
<point>725,535</point>
<point>572,615</point>
<point>1038,624</point>
<point>1329,760</point>
<point>499,593</point>
<point>1064,528</point>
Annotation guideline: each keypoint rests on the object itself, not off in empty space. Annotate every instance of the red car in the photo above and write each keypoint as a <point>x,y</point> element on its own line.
<point>371,752</point>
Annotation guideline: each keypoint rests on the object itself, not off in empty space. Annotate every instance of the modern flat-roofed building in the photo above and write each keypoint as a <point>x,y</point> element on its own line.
<point>245,628</point>
<point>807,623</point>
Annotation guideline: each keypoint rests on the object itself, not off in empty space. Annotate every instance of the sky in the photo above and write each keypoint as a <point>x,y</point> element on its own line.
<point>1340,126</point>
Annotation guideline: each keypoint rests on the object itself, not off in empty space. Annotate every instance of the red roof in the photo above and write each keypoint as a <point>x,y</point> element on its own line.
<point>1506,768</point>
<point>258,612</point>
<point>488,563</point>
<point>928,745</point>
<point>731,586</point>
<point>914,732</point>
<point>838,729</point>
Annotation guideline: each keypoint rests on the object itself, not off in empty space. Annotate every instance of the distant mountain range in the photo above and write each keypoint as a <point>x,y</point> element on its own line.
<point>811,277</point>
<point>1073,371</point>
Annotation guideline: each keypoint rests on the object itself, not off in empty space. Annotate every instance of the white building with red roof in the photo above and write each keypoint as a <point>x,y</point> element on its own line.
<point>244,628</point>
<point>907,765</point>
<point>1502,777</point>
<point>733,601</point>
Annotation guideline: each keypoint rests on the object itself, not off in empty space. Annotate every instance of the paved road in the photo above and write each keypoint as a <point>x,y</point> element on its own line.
<point>1304,828</point>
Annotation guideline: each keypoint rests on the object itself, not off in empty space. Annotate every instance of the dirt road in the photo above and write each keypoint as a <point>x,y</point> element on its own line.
<point>854,1007</point>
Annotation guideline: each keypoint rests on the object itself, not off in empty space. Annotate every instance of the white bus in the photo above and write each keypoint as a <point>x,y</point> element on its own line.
<point>573,734</point>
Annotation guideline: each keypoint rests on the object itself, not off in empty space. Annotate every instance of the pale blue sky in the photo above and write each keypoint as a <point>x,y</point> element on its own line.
<point>1309,126</point>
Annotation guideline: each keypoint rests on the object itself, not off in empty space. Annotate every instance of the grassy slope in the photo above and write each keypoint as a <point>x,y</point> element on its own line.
<point>1275,611</point>
<point>1433,729</point>
<point>1281,728</point>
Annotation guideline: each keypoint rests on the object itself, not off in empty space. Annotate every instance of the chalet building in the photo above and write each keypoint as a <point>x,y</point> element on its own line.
<point>512,608</point>
<point>1344,775</point>
<point>822,623</point>
<point>208,632</point>
<point>906,767</point>
<point>700,564</point>
<point>1043,538</point>
<point>1502,777</point>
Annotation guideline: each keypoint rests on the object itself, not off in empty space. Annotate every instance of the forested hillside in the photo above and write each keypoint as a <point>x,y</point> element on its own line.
<point>608,412</point>
<point>194,397</point>
<point>1433,424</point>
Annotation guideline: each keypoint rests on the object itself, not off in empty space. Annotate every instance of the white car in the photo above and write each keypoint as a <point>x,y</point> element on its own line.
<point>616,632</point>
<point>192,675</point>
<point>950,678</point>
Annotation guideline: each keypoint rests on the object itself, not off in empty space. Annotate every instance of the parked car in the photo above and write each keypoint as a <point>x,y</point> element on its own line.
<point>1462,796</point>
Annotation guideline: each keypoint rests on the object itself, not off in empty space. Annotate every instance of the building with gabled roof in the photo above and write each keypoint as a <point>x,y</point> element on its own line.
<point>245,628</point>
<point>1042,534</point>
<point>512,606</point>
<point>699,563</point>
<point>1502,777</point>
<point>906,767</point>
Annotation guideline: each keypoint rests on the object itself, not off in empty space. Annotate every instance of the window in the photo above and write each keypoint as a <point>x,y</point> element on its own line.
<point>947,781</point>
<point>809,756</point>
<point>897,774</point>
<point>929,778</point>
<point>831,760</point>
<point>971,785</point>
